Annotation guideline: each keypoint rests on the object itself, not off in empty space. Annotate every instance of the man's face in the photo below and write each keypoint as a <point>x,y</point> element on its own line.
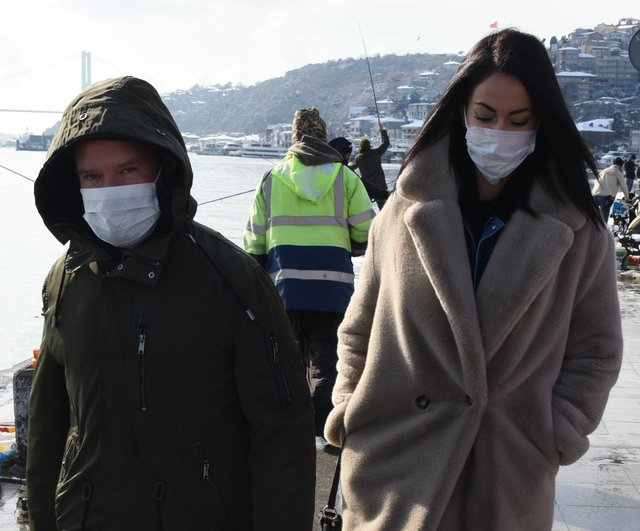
<point>101,163</point>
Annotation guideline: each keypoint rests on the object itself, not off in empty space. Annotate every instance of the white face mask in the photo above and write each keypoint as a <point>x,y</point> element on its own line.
<point>497,153</point>
<point>121,215</point>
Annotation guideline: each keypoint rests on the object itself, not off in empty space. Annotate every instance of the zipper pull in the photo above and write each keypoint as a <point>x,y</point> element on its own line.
<point>274,349</point>
<point>142,338</point>
<point>205,469</point>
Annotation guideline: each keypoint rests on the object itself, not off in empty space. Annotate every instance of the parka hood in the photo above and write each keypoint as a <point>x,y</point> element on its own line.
<point>299,170</point>
<point>125,108</point>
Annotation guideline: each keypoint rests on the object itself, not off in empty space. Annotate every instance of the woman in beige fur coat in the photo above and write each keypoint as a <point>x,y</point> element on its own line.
<point>484,336</point>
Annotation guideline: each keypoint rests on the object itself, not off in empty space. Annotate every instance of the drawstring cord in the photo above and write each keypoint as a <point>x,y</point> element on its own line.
<point>54,317</point>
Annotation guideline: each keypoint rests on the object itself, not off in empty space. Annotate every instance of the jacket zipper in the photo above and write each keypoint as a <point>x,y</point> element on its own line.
<point>206,476</point>
<point>142,340</point>
<point>280,372</point>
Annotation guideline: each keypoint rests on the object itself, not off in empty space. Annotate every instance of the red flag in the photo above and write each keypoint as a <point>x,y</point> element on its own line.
<point>494,25</point>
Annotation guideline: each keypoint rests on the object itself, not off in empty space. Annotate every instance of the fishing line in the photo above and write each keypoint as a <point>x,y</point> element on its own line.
<point>17,173</point>
<point>366,56</point>
<point>226,197</point>
<point>271,163</point>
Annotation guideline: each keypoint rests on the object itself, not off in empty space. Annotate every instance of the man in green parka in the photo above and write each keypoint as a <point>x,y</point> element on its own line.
<point>168,393</point>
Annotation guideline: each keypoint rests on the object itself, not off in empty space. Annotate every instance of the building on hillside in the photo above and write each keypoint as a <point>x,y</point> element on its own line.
<point>602,52</point>
<point>420,110</point>
<point>410,131</point>
<point>596,133</point>
<point>279,135</point>
<point>634,141</point>
<point>367,127</point>
<point>576,86</point>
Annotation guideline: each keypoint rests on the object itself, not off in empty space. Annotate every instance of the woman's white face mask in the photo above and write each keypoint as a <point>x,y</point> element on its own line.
<point>495,152</point>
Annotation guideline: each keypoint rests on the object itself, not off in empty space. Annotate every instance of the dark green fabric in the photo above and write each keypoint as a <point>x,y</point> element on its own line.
<point>211,427</point>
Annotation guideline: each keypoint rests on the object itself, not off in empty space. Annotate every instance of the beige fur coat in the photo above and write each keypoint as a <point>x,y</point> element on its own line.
<point>459,409</point>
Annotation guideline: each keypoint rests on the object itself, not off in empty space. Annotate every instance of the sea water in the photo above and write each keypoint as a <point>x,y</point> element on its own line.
<point>223,187</point>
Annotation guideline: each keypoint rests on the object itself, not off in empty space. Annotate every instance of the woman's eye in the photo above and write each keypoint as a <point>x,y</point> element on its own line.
<point>483,118</point>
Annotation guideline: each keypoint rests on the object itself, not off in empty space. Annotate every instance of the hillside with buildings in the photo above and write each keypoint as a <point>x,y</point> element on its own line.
<point>600,85</point>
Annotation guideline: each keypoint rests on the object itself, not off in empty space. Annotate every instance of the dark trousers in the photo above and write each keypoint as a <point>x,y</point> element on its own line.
<point>630,181</point>
<point>317,336</point>
<point>604,203</point>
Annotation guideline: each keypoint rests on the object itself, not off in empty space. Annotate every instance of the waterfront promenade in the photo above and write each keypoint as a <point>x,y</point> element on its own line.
<point>601,492</point>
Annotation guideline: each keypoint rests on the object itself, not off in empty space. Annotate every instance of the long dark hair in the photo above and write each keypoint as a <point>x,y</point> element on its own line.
<point>522,55</point>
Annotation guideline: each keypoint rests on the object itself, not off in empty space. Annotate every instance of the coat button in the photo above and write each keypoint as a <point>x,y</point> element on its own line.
<point>422,402</point>
<point>152,275</point>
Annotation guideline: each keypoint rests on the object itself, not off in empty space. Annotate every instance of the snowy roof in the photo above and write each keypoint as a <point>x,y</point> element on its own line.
<point>372,118</point>
<point>415,124</point>
<point>599,125</point>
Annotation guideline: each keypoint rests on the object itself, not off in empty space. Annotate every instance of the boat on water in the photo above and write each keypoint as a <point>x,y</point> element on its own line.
<point>260,150</point>
<point>34,143</point>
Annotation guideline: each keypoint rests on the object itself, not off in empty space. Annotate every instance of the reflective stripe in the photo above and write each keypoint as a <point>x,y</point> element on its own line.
<point>363,216</point>
<point>266,190</point>
<point>301,274</point>
<point>256,229</point>
<point>304,221</point>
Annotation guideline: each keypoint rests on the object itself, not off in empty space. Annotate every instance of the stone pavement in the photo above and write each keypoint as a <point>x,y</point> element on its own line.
<point>601,492</point>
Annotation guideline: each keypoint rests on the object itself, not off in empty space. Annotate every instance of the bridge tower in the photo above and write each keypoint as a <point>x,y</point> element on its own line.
<point>86,69</point>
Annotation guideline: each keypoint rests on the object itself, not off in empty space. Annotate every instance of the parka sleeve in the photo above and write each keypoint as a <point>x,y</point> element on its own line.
<point>359,213</point>
<point>255,233</point>
<point>353,340</point>
<point>47,432</point>
<point>593,354</point>
<point>271,382</point>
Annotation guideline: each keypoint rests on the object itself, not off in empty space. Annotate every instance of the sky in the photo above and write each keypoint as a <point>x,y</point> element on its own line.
<point>176,44</point>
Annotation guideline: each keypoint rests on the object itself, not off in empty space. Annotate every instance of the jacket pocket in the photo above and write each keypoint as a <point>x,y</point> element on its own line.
<point>278,369</point>
<point>207,476</point>
<point>70,453</point>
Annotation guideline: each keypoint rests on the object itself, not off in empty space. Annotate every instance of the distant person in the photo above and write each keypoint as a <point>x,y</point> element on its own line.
<point>169,392</point>
<point>484,335</point>
<point>606,187</point>
<point>630,167</point>
<point>310,215</point>
<point>369,163</point>
<point>344,147</point>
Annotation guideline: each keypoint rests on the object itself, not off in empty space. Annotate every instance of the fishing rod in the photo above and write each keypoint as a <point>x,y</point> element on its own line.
<point>375,100</point>
<point>17,173</point>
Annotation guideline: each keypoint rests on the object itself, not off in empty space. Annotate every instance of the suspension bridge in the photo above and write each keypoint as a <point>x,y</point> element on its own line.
<point>85,79</point>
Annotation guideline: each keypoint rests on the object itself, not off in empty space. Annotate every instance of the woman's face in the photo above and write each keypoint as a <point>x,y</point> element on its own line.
<point>501,101</point>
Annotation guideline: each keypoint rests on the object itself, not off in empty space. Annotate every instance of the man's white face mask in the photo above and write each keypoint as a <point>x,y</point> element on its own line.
<point>496,153</point>
<point>122,215</point>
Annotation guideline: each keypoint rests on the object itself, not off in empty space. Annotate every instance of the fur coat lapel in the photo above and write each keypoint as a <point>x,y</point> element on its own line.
<point>516,273</point>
